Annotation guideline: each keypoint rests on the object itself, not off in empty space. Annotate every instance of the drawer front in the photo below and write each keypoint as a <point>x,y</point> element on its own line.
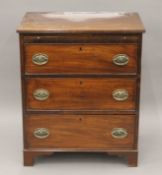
<point>81,58</point>
<point>80,93</point>
<point>84,132</point>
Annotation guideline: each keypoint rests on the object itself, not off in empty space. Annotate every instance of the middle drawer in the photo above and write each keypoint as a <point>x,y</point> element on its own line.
<point>81,93</point>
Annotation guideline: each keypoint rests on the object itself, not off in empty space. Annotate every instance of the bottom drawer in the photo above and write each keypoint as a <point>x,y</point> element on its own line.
<point>80,131</point>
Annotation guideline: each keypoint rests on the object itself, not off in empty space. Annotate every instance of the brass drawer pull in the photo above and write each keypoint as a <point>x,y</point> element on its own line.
<point>40,59</point>
<point>41,133</point>
<point>121,59</point>
<point>120,94</point>
<point>119,133</point>
<point>41,94</point>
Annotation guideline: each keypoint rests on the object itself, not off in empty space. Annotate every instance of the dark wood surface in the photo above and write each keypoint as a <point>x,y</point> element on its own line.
<point>92,38</point>
<point>36,22</point>
<point>86,132</point>
<point>81,58</point>
<point>81,93</point>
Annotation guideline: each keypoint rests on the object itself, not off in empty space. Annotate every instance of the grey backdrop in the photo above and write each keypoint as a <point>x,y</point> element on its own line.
<point>150,142</point>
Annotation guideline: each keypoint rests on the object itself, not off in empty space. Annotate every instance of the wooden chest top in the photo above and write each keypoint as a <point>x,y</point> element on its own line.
<point>36,22</point>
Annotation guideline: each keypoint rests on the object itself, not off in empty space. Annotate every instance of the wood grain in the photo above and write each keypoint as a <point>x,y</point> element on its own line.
<point>79,131</point>
<point>81,93</point>
<point>36,22</point>
<point>81,58</point>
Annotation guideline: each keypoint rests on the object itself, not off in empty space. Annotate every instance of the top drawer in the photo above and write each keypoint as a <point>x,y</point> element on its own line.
<point>80,58</point>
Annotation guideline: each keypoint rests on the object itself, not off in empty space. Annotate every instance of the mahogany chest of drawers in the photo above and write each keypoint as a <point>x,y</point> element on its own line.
<point>80,75</point>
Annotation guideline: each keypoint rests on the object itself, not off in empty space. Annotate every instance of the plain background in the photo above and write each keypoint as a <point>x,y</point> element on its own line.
<point>150,137</point>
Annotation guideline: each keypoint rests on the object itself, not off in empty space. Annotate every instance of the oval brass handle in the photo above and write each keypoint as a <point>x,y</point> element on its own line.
<point>121,59</point>
<point>40,59</point>
<point>41,94</point>
<point>120,94</point>
<point>119,133</point>
<point>41,133</point>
